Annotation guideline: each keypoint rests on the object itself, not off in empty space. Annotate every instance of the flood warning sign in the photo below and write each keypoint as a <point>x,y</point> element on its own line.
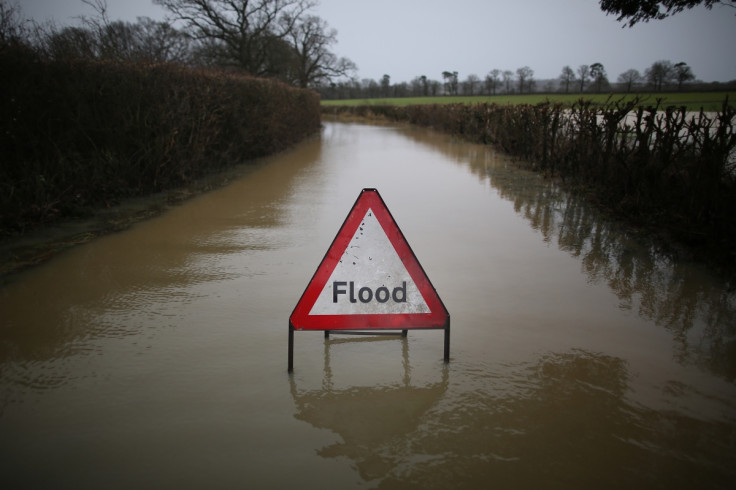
<point>369,278</point>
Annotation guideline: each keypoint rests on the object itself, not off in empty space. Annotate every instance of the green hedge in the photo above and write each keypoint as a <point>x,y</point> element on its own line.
<point>76,134</point>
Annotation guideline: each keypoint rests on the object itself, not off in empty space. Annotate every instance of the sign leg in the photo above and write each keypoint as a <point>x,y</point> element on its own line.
<point>291,348</point>
<point>447,341</point>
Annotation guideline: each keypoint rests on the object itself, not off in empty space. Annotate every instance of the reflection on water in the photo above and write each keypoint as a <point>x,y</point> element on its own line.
<point>564,421</point>
<point>569,419</point>
<point>582,355</point>
<point>374,422</point>
<point>129,283</point>
<point>679,295</point>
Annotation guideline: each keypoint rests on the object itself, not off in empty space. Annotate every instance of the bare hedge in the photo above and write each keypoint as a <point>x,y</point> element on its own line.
<point>660,166</point>
<point>76,134</point>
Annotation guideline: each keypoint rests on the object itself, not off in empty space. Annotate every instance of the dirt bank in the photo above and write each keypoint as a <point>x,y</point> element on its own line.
<point>21,251</point>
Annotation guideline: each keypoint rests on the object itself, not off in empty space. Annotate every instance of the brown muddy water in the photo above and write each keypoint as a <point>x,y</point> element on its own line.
<point>580,356</point>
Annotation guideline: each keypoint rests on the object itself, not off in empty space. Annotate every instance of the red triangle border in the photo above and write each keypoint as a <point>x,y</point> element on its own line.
<point>437,318</point>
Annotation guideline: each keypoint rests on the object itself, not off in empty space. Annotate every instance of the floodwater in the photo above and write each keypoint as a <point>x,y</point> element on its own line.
<point>581,357</point>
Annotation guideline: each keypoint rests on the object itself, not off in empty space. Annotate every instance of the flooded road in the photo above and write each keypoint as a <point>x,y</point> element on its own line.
<point>156,357</point>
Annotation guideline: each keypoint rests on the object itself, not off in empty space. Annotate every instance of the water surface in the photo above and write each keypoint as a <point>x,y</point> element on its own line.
<point>580,356</point>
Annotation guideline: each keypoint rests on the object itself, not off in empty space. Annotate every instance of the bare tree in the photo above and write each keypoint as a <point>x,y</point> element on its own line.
<point>146,41</point>
<point>659,74</point>
<point>313,62</point>
<point>434,87</point>
<point>420,86</point>
<point>492,80</point>
<point>524,75</point>
<point>161,42</point>
<point>470,83</point>
<point>70,43</point>
<point>250,33</point>
<point>567,77</point>
<point>370,88</point>
<point>507,77</point>
<point>416,86</point>
<point>583,74</point>
<point>13,28</point>
<point>630,78</point>
<point>400,89</point>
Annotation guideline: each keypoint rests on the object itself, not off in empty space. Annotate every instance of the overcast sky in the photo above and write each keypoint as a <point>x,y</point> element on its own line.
<point>409,38</point>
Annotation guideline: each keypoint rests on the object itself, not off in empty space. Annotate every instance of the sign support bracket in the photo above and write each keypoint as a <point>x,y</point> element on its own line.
<point>369,282</point>
<point>403,333</point>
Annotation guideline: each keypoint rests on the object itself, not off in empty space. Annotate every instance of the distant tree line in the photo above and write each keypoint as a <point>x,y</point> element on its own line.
<point>661,76</point>
<point>275,39</point>
<point>279,39</point>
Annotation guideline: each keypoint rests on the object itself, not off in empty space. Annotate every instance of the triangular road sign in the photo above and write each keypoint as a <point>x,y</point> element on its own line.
<point>369,279</point>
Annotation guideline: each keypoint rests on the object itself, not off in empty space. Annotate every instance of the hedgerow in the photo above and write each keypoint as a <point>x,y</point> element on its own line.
<point>663,167</point>
<point>77,134</point>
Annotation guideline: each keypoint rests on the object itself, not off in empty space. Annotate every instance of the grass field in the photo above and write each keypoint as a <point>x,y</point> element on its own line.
<point>694,101</point>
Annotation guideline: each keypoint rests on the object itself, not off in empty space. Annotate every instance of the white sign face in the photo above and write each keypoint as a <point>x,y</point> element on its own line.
<point>370,278</point>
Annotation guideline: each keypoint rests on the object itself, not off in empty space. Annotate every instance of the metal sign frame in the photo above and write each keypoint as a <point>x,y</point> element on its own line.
<point>437,318</point>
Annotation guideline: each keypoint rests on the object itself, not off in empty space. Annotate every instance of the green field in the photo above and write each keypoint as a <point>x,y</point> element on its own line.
<point>694,101</point>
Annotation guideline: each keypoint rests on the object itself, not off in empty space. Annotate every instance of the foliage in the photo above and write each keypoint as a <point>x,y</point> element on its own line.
<point>450,82</point>
<point>79,133</point>
<point>634,11</point>
<point>598,76</point>
<point>682,73</point>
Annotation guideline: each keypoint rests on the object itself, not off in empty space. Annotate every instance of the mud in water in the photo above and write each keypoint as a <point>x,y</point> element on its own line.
<point>581,356</point>
<point>20,251</point>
